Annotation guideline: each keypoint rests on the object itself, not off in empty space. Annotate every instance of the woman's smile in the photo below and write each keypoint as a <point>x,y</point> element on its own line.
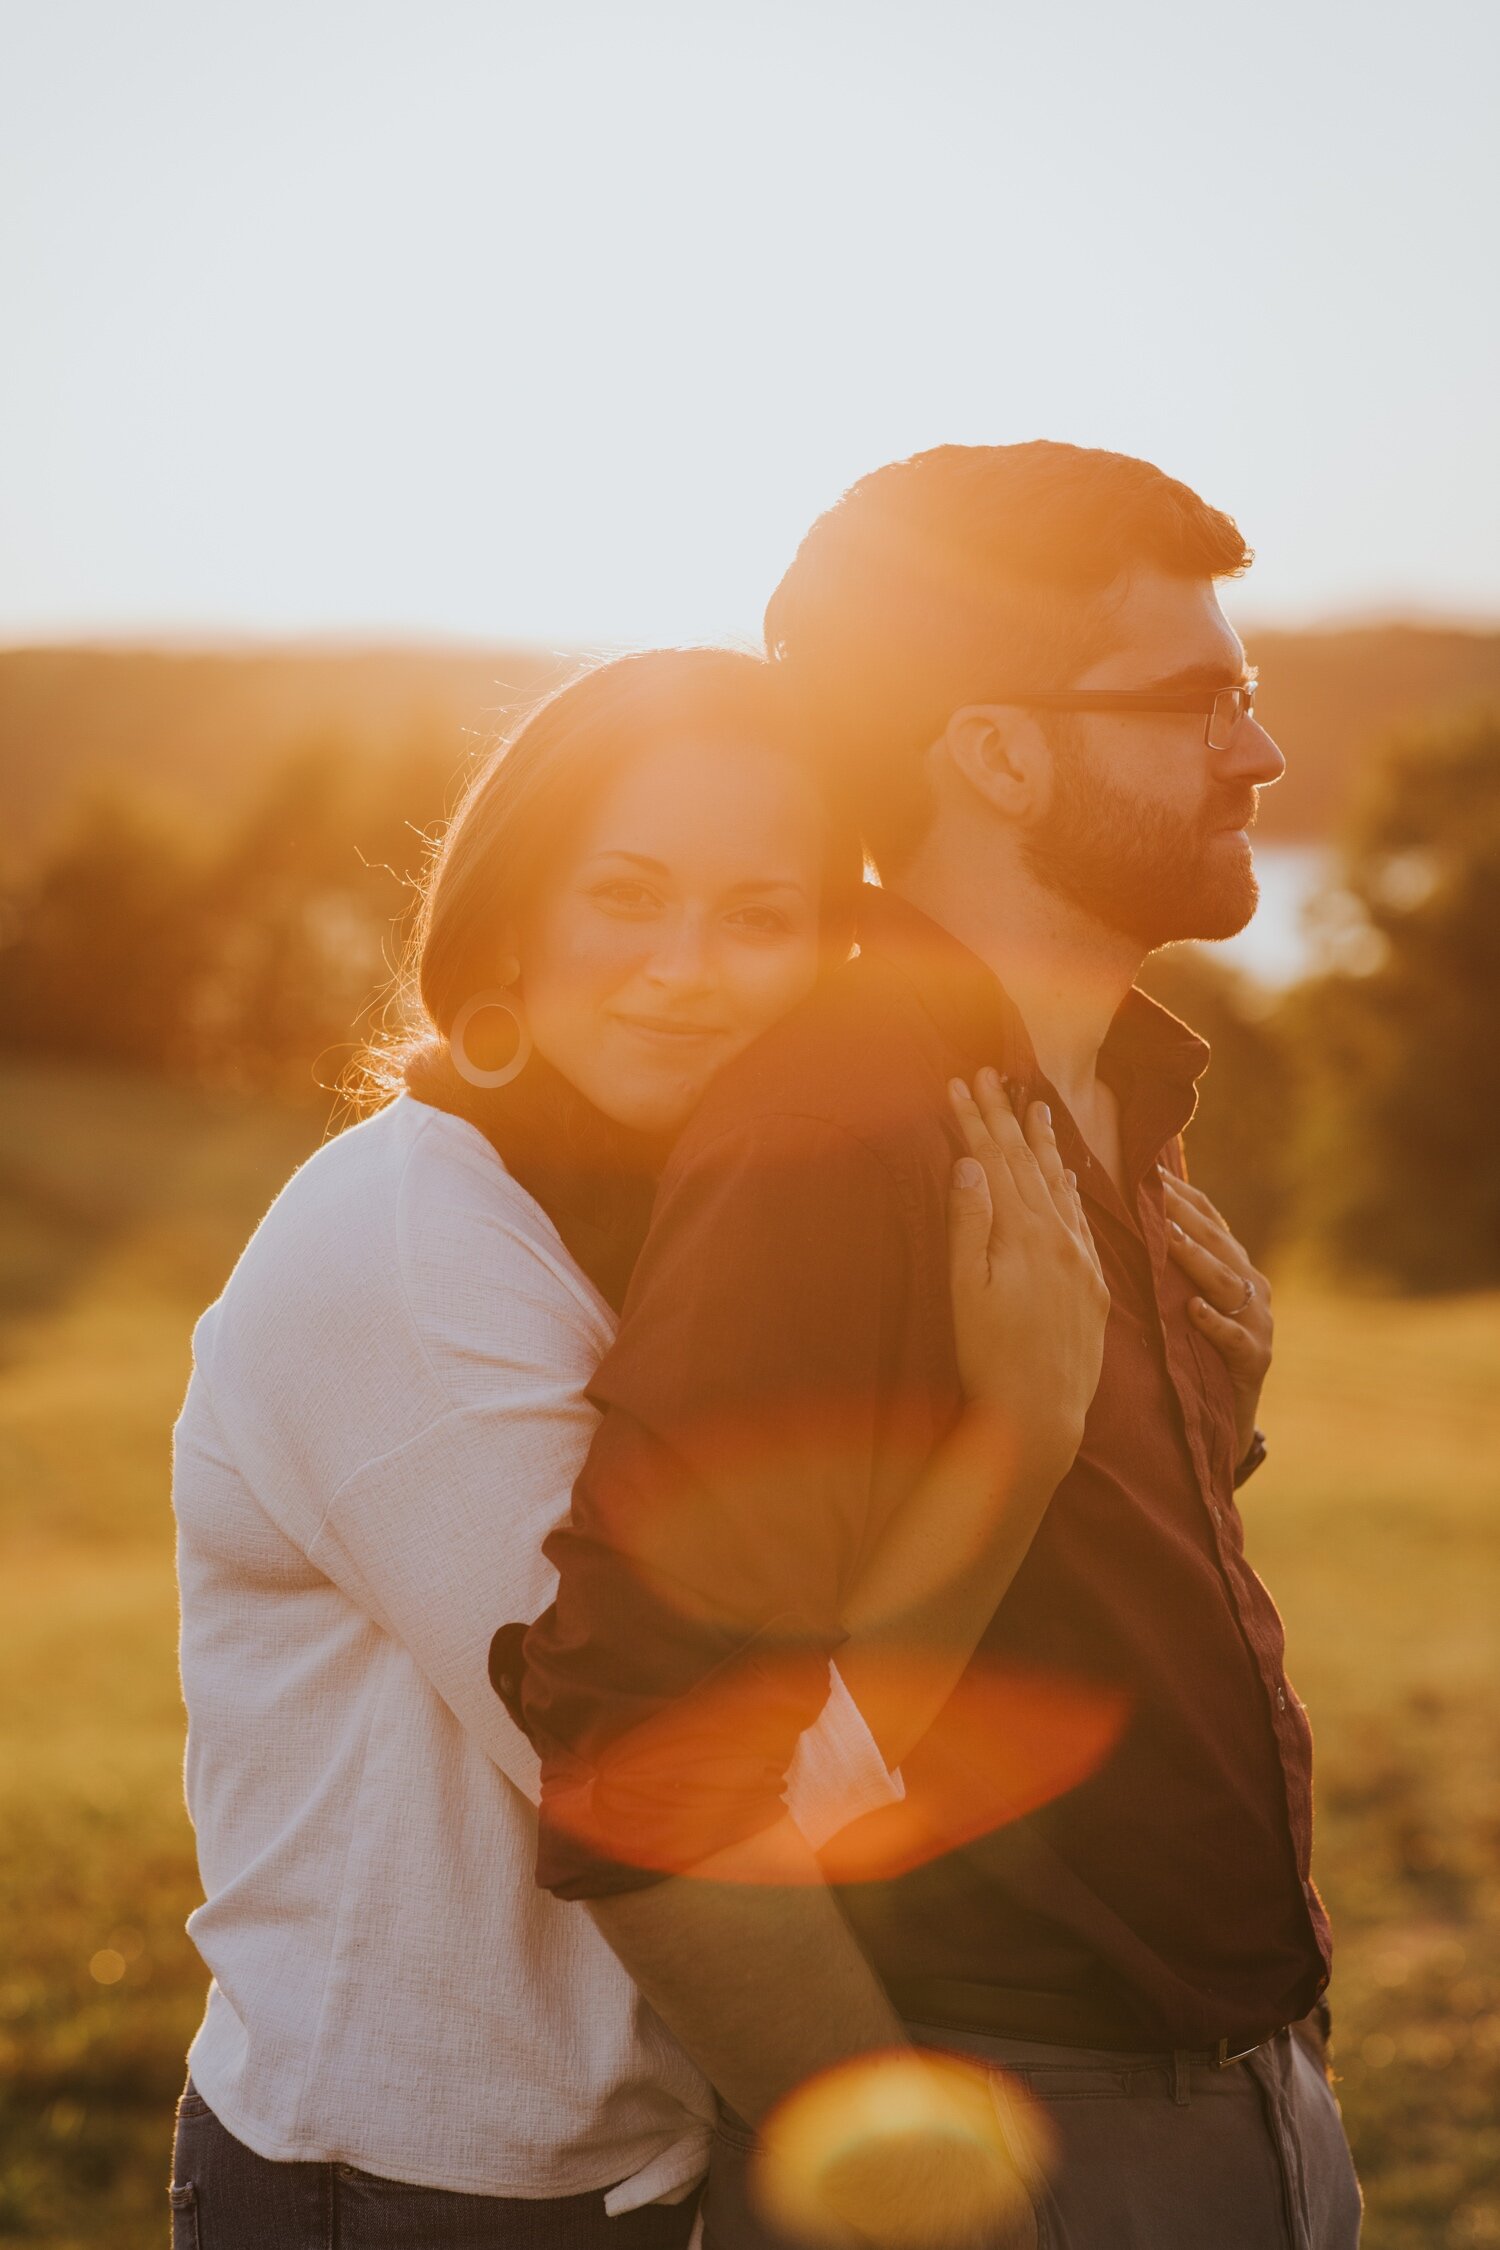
<point>670,1031</point>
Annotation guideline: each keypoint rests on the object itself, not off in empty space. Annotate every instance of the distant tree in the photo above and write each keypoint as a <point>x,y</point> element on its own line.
<point>1237,1145</point>
<point>304,905</point>
<point>100,947</point>
<point>1400,1038</point>
<point>251,963</point>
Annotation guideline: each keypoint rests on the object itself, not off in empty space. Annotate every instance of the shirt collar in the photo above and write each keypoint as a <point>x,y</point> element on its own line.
<point>964,998</point>
<point>1151,1059</point>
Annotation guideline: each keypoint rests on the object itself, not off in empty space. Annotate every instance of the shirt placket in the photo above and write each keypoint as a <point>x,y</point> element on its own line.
<point>1252,1612</point>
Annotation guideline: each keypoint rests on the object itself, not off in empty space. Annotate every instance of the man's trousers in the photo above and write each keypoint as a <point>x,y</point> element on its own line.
<point>1149,2152</point>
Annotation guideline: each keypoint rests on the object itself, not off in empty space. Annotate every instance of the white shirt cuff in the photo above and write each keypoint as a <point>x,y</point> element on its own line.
<point>837,1771</point>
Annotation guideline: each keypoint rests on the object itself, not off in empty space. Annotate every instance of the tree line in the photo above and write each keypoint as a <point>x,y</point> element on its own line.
<point>1356,1112</point>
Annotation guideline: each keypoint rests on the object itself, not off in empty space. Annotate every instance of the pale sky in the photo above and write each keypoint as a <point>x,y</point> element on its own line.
<point>561,321</point>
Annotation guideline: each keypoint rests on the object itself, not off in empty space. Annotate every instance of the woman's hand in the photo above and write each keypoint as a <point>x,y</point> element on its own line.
<point>1029,1299</point>
<point>1029,1308</point>
<point>1234,1308</point>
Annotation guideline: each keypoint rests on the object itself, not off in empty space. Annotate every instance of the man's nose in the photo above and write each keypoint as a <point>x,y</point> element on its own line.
<point>1252,755</point>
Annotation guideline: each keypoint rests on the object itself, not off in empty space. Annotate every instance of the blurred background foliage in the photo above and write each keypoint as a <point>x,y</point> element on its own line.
<point>228,913</point>
<point>204,878</point>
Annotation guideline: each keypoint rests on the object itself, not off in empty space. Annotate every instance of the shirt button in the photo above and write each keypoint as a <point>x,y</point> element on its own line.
<point>1281,1699</point>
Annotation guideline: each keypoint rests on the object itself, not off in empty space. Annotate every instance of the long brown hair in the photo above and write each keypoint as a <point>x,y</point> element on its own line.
<point>520,812</point>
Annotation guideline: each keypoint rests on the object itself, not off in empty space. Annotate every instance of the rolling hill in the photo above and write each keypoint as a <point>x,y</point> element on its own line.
<point>200,728</point>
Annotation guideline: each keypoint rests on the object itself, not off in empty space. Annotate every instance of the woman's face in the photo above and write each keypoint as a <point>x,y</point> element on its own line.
<point>684,920</point>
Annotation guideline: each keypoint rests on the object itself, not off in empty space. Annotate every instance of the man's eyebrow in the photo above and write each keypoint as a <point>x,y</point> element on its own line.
<point>1207,676</point>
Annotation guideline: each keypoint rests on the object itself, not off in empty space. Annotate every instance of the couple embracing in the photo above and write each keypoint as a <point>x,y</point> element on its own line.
<point>711,1577</point>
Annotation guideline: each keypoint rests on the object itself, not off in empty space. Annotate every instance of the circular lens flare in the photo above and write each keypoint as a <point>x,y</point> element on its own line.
<point>917,2151</point>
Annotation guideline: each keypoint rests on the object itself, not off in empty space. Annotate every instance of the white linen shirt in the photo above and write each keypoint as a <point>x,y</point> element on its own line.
<point>386,1415</point>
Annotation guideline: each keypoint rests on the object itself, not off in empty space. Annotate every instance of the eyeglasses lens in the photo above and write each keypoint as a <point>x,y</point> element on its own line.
<point>1230,706</point>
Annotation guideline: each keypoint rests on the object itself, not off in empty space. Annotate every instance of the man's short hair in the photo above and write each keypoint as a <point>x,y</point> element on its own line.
<point>939,581</point>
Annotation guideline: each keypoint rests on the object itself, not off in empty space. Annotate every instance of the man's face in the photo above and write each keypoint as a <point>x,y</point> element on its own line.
<point>1147,828</point>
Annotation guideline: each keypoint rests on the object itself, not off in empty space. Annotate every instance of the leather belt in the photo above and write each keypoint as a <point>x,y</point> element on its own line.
<point>1055,2019</point>
<point>1222,2055</point>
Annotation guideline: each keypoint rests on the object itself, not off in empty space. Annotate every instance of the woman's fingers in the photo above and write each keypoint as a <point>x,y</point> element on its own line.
<point>978,1138</point>
<point>971,1214</point>
<point>1198,1217</point>
<point>1195,1195</point>
<point>1041,1139</point>
<point>1240,1351</point>
<point>1228,1288</point>
<point>984,1146</point>
<point>1000,1117</point>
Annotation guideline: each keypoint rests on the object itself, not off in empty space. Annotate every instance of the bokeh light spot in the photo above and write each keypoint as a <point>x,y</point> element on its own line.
<point>915,2150</point>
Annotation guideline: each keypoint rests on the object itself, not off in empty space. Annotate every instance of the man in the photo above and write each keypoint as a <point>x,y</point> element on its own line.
<point>1015,659</point>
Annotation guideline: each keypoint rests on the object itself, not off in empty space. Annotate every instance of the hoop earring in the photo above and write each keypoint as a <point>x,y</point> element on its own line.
<point>499,997</point>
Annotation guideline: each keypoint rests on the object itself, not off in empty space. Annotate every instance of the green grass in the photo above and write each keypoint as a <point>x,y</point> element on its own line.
<point>1376,1521</point>
<point>122,1207</point>
<point>1377,1524</point>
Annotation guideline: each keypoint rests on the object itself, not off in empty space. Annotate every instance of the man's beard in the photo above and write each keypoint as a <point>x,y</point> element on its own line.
<point>1150,874</point>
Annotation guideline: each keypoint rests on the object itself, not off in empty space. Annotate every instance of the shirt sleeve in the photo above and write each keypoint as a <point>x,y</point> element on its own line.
<point>438,1536</point>
<point>725,1500</point>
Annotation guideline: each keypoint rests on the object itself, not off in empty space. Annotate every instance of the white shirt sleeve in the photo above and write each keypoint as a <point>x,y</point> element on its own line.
<point>440,1542</point>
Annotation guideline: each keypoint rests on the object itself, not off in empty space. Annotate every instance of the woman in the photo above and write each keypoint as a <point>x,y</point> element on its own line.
<point>406,2042</point>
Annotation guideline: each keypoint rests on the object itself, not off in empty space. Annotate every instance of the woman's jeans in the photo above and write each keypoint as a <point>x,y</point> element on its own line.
<point>225,2197</point>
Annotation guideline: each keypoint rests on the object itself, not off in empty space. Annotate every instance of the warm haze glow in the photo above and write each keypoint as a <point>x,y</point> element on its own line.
<point>563,322</point>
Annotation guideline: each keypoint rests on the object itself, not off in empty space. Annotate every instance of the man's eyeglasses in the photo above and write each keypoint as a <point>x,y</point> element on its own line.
<point>1222,708</point>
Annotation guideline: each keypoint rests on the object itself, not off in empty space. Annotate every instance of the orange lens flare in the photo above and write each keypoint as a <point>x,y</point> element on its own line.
<point>670,1795</point>
<point>781,1474</point>
<point>915,2150</point>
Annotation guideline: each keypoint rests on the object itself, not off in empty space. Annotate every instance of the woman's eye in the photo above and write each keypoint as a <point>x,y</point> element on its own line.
<point>760,921</point>
<point>628,898</point>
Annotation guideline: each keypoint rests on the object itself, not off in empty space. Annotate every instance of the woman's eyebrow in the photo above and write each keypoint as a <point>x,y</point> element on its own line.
<point>636,859</point>
<point>734,890</point>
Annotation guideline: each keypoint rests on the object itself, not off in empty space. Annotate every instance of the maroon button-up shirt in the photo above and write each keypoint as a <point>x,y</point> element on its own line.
<point>784,1368</point>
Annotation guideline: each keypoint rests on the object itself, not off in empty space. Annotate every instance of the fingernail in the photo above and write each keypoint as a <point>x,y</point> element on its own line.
<point>1176,1229</point>
<point>988,1077</point>
<point>1046,1114</point>
<point>959,1090</point>
<point>1072,1178</point>
<point>968,1173</point>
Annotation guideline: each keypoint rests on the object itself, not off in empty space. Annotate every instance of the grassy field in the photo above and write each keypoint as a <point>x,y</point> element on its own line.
<point>1377,1523</point>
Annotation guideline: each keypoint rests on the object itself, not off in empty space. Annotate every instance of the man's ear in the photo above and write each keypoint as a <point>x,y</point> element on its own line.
<point>1004,757</point>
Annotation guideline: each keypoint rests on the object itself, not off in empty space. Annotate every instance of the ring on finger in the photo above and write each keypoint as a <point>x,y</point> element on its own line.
<point>1245,1301</point>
